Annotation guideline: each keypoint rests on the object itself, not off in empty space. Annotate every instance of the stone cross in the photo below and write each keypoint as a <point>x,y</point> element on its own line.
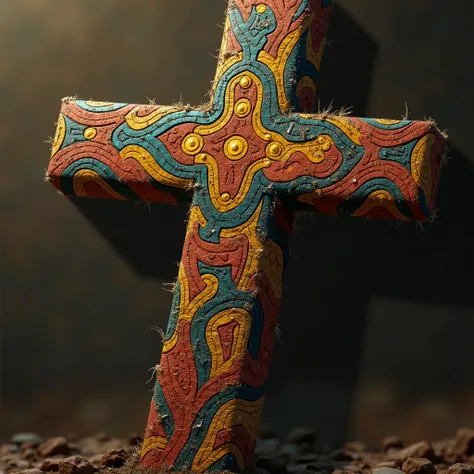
<point>247,161</point>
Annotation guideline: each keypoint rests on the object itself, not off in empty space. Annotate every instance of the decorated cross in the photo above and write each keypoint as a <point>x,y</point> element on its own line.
<point>246,162</point>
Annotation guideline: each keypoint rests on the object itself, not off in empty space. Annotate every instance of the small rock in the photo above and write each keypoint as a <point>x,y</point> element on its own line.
<point>464,444</point>
<point>423,449</point>
<point>75,465</point>
<point>18,463</point>
<point>26,446</point>
<point>392,464</point>
<point>30,471</point>
<point>52,446</point>
<point>29,453</point>
<point>20,438</point>
<point>342,471</point>
<point>301,435</point>
<point>392,442</point>
<point>386,470</point>
<point>418,466</point>
<point>114,458</point>
<point>460,468</point>
<point>51,464</point>
<point>271,466</point>
<point>8,449</point>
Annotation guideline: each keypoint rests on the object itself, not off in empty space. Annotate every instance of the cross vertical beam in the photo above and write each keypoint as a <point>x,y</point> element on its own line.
<point>246,162</point>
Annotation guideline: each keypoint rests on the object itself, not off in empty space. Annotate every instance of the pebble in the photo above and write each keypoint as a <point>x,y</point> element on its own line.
<point>8,449</point>
<point>114,458</point>
<point>51,464</point>
<point>464,444</point>
<point>386,470</point>
<point>392,464</point>
<point>75,465</point>
<point>52,446</point>
<point>30,471</point>
<point>423,449</point>
<point>460,468</point>
<point>20,438</point>
<point>19,463</point>
<point>29,453</point>
<point>418,466</point>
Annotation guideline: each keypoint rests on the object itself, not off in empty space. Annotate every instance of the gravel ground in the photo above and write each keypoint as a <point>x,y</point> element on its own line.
<point>299,453</point>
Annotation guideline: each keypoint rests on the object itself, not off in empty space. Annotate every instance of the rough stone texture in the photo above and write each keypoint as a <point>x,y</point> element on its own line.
<point>52,446</point>
<point>114,458</point>
<point>386,470</point>
<point>31,471</point>
<point>418,466</point>
<point>282,458</point>
<point>460,468</point>
<point>422,449</point>
<point>464,444</point>
<point>75,465</point>
<point>50,464</point>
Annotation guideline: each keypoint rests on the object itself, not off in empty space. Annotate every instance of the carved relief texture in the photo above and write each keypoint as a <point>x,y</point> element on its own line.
<point>247,161</point>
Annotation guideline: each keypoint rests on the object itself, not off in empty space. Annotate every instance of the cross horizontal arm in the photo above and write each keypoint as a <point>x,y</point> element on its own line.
<point>111,150</point>
<point>242,145</point>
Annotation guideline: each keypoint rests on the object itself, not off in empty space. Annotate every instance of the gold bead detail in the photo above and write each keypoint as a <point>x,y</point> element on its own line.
<point>261,8</point>
<point>318,157</point>
<point>225,197</point>
<point>90,133</point>
<point>245,82</point>
<point>267,137</point>
<point>192,144</point>
<point>235,147</point>
<point>242,108</point>
<point>274,149</point>
<point>325,142</point>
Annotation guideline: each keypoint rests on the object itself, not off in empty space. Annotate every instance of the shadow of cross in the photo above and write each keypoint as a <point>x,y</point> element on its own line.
<point>246,161</point>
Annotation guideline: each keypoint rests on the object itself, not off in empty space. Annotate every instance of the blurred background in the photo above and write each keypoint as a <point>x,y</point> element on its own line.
<point>377,324</point>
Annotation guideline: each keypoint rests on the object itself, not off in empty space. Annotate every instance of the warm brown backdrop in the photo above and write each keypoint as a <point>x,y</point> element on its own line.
<point>378,320</point>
